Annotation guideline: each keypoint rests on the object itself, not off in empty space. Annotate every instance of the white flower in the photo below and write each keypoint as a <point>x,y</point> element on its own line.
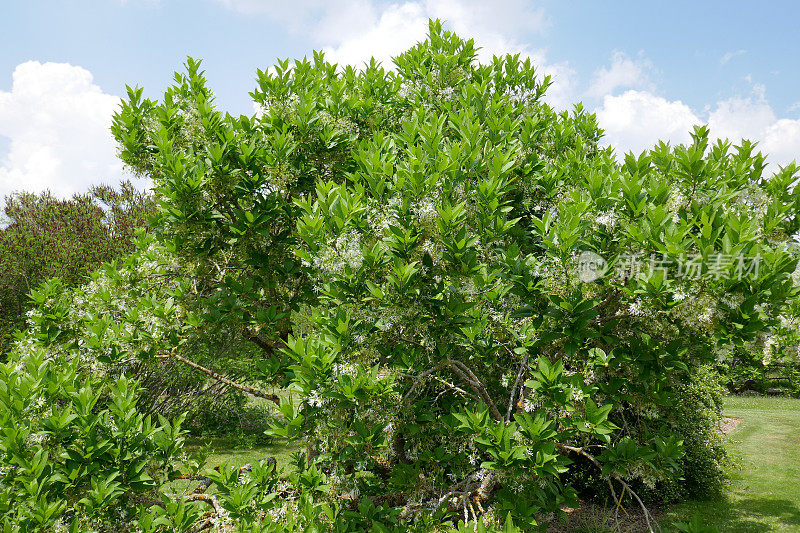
<point>35,438</point>
<point>530,405</point>
<point>607,218</point>
<point>315,400</point>
<point>426,210</point>
<point>635,309</point>
<point>769,342</point>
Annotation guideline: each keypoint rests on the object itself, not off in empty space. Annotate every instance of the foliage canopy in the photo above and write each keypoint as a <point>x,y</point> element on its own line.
<point>432,262</point>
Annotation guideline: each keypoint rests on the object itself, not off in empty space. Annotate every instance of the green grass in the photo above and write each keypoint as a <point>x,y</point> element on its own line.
<point>764,490</point>
<point>234,452</point>
<point>230,450</point>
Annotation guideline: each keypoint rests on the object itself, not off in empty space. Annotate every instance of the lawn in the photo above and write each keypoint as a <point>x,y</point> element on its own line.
<point>764,490</point>
<point>234,452</point>
<point>228,450</point>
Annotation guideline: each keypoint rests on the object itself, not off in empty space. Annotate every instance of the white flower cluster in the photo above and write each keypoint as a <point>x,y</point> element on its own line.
<point>732,300</point>
<point>531,405</point>
<point>348,369</point>
<point>426,210</point>
<point>607,219</point>
<point>767,351</point>
<point>36,439</point>
<point>674,203</point>
<point>315,399</point>
<point>635,308</point>
<point>342,125</point>
<point>345,251</point>
<point>697,313</point>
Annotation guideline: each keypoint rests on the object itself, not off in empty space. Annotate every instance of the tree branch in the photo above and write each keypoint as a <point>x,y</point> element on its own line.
<point>466,375</point>
<point>419,377</point>
<point>523,365</point>
<point>625,486</point>
<point>249,390</point>
<point>267,346</point>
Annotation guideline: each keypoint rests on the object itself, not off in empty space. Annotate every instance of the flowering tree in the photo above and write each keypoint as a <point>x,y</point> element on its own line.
<point>487,296</point>
<point>472,306</point>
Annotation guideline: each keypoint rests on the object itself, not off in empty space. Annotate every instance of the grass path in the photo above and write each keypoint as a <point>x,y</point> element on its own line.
<point>764,492</point>
<point>231,452</point>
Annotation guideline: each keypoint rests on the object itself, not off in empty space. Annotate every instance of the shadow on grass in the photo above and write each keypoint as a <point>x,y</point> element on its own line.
<point>745,515</point>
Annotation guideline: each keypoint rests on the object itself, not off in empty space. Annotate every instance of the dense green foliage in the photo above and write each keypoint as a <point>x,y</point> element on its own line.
<point>43,237</point>
<point>438,271</point>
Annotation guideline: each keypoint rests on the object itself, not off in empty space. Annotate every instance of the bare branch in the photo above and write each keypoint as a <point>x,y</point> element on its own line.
<point>522,367</point>
<point>454,387</point>
<point>249,390</point>
<point>418,379</point>
<point>466,375</point>
<point>625,486</point>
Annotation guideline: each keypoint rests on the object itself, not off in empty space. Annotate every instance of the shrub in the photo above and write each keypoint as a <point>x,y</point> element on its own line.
<point>475,331</point>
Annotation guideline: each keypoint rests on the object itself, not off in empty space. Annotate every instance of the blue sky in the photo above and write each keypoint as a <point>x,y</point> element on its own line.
<point>650,70</point>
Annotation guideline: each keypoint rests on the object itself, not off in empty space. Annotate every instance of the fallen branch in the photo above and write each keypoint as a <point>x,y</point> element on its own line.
<point>218,513</point>
<point>249,390</point>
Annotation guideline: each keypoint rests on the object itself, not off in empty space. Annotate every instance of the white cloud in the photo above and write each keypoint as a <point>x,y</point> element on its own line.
<point>353,31</point>
<point>497,27</point>
<point>754,119</point>
<point>636,120</point>
<point>57,122</point>
<point>389,33</point>
<point>624,72</point>
<point>730,55</point>
<point>368,29</point>
<point>738,118</point>
<point>781,142</point>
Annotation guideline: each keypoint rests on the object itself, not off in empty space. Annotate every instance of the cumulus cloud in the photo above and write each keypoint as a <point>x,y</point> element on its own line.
<point>636,120</point>
<point>753,118</point>
<point>57,122</point>
<point>389,33</point>
<point>623,73</point>
<point>353,32</point>
<point>634,116</point>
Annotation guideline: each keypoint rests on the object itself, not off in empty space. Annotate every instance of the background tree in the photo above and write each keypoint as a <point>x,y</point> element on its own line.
<point>46,237</point>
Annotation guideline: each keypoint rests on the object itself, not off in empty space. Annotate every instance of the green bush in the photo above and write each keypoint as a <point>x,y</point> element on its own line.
<point>696,418</point>
<point>47,237</point>
<point>473,339</point>
<point>69,458</point>
<point>446,233</point>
